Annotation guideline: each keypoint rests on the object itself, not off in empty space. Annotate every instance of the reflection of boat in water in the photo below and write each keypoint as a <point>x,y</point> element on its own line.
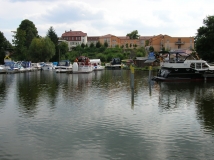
<point>97,64</point>
<point>180,66</point>
<point>82,65</point>
<point>189,96</point>
<point>82,79</point>
<point>63,66</point>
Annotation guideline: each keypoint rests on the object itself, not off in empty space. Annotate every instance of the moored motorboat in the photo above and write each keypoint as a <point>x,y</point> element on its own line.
<point>82,64</point>
<point>180,66</point>
<point>97,64</point>
<point>2,69</point>
<point>114,64</point>
<point>48,67</point>
<point>63,66</point>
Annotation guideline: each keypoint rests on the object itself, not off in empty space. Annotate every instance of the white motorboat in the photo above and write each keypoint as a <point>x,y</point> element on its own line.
<point>82,65</point>
<point>47,67</point>
<point>97,64</point>
<point>63,66</point>
<point>2,69</point>
<point>35,66</point>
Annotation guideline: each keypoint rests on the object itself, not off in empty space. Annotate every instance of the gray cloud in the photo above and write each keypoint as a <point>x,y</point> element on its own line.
<point>71,14</point>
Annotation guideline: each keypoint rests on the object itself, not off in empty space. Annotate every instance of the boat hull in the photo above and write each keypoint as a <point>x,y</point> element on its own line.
<point>182,74</point>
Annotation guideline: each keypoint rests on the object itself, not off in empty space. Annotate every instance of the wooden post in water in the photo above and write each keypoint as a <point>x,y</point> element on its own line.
<point>150,70</point>
<point>132,76</point>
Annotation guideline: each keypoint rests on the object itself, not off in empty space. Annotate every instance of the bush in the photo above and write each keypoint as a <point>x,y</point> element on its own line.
<point>101,56</point>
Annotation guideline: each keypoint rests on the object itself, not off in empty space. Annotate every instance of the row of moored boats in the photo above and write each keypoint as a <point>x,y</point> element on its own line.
<point>82,64</point>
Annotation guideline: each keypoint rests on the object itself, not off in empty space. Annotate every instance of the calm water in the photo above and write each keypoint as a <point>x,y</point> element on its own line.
<point>48,115</point>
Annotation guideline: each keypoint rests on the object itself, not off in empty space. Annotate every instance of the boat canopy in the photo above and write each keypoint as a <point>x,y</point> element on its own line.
<point>95,61</point>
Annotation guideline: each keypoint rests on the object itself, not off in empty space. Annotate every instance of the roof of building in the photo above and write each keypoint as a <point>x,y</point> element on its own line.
<point>123,37</point>
<point>145,37</point>
<point>74,33</point>
<point>108,35</point>
<point>93,38</point>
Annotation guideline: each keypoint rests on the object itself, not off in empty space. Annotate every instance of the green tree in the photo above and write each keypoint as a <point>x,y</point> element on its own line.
<point>30,30</point>
<point>92,45</point>
<point>83,45</point>
<point>151,49</point>
<point>41,49</point>
<point>23,37</point>
<point>63,48</point>
<point>98,44</point>
<point>52,35</point>
<point>147,43</point>
<point>127,45</point>
<point>54,38</point>
<point>133,35</point>
<point>204,39</point>
<point>20,51</point>
<point>4,46</point>
<point>106,44</point>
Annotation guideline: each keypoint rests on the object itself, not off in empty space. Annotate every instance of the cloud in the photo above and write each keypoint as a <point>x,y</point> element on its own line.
<point>149,17</point>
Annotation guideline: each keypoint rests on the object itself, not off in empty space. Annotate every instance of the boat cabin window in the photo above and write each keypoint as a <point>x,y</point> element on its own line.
<point>204,66</point>
<point>192,65</point>
<point>198,65</point>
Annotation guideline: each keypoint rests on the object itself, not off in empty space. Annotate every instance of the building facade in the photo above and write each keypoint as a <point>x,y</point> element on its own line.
<point>171,43</point>
<point>158,42</point>
<point>74,38</point>
<point>112,40</point>
<point>93,39</point>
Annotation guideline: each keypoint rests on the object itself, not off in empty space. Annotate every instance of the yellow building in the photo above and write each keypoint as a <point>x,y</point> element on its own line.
<point>171,43</point>
<point>126,42</point>
<point>111,40</point>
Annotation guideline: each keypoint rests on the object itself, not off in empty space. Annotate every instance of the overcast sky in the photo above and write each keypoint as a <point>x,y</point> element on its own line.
<point>100,17</point>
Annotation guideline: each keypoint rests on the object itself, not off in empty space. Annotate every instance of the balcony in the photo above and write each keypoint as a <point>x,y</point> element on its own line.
<point>179,43</point>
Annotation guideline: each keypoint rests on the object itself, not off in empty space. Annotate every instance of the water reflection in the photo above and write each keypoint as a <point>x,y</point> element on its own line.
<point>98,116</point>
<point>174,97</point>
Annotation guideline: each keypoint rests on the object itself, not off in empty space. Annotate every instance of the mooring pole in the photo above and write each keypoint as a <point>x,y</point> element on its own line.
<point>150,70</point>
<point>132,76</point>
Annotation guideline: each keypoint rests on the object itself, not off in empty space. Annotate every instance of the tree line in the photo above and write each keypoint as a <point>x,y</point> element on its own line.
<point>29,46</point>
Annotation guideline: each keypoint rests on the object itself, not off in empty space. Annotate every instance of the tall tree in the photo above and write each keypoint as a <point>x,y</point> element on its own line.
<point>91,45</point>
<point>133,35</point>
<point>4,46</point>
<point>41,49</point>
<point>52,35</point>
<point>205,38</point>
<point>98,44</point>
<point>20,51</point>
<point>30,29</point>
<point>63,49</point>
<point>54,38</point>
<point>106,44</point>
<point>23,37</point>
